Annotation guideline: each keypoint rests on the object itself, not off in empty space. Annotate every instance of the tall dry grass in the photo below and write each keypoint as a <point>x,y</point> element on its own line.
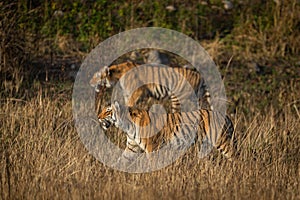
<point>43,157</point>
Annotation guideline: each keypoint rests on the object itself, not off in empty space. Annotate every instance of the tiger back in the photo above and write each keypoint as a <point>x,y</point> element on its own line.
<point>178,84</point>
<point>109,76</point>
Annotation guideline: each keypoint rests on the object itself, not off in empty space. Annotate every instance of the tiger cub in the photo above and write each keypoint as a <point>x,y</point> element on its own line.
<point>179,84</point>
<point>208,125</point>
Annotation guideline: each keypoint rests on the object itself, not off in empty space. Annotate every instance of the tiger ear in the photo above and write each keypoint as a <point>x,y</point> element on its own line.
<point>130,111</point>
<point>108,108</point>
<point>105,70</point>
<point>133,112</point>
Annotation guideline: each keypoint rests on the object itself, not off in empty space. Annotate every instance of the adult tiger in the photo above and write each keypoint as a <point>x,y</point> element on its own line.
<point>179,84</point>
<point>210,128</point>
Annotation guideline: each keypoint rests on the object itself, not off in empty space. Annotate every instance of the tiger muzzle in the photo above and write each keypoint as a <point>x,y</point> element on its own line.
<point>105,124</point>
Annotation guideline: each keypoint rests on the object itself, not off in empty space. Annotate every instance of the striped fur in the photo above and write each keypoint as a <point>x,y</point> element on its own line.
<point>174,84</point>
<point>204,123</point>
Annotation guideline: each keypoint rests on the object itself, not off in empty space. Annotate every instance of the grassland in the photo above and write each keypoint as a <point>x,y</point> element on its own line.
<point>42,156</point>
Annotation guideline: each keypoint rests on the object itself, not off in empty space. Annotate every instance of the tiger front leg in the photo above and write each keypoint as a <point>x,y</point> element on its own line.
<point>130,154</point>
<point>175,104</point>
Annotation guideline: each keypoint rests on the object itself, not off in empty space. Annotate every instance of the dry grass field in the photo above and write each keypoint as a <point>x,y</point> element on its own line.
<point>42,156</point>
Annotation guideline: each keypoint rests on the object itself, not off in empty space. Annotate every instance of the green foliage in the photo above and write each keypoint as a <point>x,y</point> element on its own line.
<point>84,20</point>
<point>267,26</point>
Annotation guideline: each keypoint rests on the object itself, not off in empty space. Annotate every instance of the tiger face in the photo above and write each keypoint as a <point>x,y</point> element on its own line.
<point>109,76</point>
<point>115,115</point>
<point>106,117</point>
<point>101,78</point>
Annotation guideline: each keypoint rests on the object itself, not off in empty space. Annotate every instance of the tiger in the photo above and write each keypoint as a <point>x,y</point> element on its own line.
<point>175,87</point>
<point>109,76</point>
<point>203,121</point>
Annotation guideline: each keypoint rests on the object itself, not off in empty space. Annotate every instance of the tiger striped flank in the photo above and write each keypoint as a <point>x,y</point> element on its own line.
<point>208,125</point>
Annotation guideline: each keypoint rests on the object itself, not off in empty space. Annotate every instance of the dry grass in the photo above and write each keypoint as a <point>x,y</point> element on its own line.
<point>43,157</point>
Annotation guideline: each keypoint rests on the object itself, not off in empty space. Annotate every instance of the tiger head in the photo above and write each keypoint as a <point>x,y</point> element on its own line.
<point>109,76</point>
<point>101,78</point>
<point>106,117</point>
<point>113,115</point>
<point>124,117</point>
